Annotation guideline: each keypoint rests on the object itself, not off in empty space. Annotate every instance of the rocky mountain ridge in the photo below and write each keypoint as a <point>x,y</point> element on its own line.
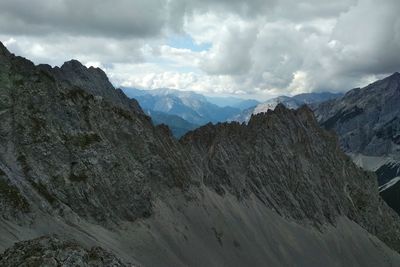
<point>367,122</point>
<point>86,163</point>
<point>293,102</point>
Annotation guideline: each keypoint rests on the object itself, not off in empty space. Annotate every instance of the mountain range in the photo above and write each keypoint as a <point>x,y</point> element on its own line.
<point>87,179</point>
<point>294,102</point>
<point>234,102</point>
<point>194,109</point>
<point>190,106</point>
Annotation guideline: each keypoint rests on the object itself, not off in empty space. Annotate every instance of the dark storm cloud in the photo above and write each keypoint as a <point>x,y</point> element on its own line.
<point>122,18</point>
<point>282,9</point>
<point>142,18</point>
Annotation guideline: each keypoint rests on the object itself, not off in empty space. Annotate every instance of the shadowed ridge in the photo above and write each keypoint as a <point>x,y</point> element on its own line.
<point>286,151</point>
<point>386,84</point>
<point>75,66</point>
<point>280,111</point>
<point>132,101</point>
<point>92,78</point>
<point>3,50</point>
<point>395,75</point>
<point>306,115</point>
<point>93,81</point>
<point>303,114</point>
<point>280,108</point>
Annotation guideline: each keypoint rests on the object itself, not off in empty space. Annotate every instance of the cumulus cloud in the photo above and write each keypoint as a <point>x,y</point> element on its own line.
<point>257,48</point>
<point>372,42</point>
<point>230,54</point>
<point>150,75</point>
<point>56,49</point>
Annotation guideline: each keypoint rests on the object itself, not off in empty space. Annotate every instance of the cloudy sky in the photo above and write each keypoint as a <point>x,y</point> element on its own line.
<point>253,48</point>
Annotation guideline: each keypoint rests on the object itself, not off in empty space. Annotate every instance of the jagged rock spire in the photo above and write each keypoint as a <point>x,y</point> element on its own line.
<point>3,50</point>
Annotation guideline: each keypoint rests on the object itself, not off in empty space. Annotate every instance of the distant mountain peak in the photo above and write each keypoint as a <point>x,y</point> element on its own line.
<point>77,67</point>
<point>190,106</point>
<point>395,76</point>
<point>73,63</point>
<point>3,50</point>
<point>293,102</point>
<point>280,107</point>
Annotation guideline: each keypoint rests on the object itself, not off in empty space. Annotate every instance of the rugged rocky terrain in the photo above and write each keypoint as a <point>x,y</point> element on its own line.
<point>51,251</point>
<point>367,121</point>
<point>81,160</point>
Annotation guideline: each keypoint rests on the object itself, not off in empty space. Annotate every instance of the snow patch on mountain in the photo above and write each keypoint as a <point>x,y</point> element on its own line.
<point>389,184</point>
<point>370,163</point>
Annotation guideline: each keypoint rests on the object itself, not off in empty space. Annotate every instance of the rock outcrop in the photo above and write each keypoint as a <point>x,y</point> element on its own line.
<point>69,145</point>
<point>281,157</point>
<point>80,160</point>
<point>53,252</point>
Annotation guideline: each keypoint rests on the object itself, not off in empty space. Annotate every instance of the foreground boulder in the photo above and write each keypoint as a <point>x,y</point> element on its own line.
<point>51,251</point>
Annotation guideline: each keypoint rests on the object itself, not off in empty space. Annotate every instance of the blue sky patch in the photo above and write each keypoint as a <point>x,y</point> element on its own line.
<point>187,42</point>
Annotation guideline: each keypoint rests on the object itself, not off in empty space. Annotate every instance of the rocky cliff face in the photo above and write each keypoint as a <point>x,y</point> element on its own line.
<point>67,146</point>
<point>80,160</point>
<point>281,157</point>
<point>367,121</point>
